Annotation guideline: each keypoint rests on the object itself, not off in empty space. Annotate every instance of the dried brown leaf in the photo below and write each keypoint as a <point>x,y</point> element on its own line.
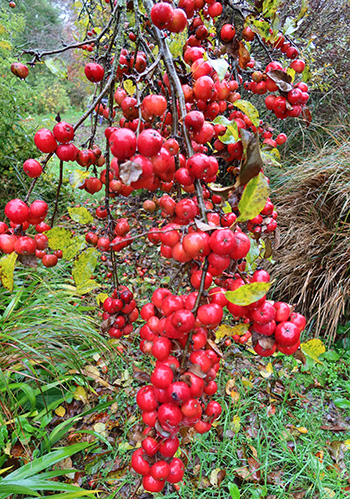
<point>253,162</point>
<point>130,171</point>
<point>243,55</point>
<point>282,80</point>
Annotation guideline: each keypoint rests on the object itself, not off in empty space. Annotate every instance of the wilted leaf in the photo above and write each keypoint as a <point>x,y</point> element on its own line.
<point>282,80</point>
<point>254,466</point>
<point>248,293</point>
<point>267,372</point>
<point>253,162</point>
<point>266,342</point>
<point>80,394</point>
<point>197,370</point>
<point>78,177</point>
<point>254,198</point>
<point>130,171</point>
<point>100,428</point>
<point>80,215</point>
<point>249,109</point>
<point>29,261</point>
<point>140,375</point>
<point>7,267</point>
<point>269,7</point>
<point>217,476</point>
<point>313,348</point>
<point>243,55</point>
<point>246,383</point>
<point>271,157</point>
<point>214,347</point>
<point>334,428</point>
<point>306,114</point>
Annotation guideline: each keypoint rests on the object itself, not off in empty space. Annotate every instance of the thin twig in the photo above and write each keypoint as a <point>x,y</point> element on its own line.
<point>57,193</point>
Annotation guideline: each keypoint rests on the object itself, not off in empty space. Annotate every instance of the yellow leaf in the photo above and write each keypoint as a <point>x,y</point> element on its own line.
<point>129,87</point>
<point>267,372</point>
<point>125,446</point>
<point>80,394</point>
<point>347,443</point>
<point>5,469</point>
<point>7,267</point>
<point>227,208</point>
<point>313,348</point>
<point>248,293</point>
<point>246,383</point>
<point>60,411</point>
<point>301,429</point>
<point>225,330</point>
<point>329,492</point>
<point>236,423</point>
<point>101,297</point>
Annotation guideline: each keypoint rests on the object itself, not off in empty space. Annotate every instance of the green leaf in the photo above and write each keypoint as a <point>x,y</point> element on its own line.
<point>254,198</point>
<point>271,157</point>
<point>234,491</point>
<point>342,403</point>
<point>231,135</point>
<point>249,293</point>
<point>220,66</point>
<point>7,490</point>
<point>59,238</point>
<point>97,30</point>
<point>78,177</point>
<point>7,267</point>
<point>84,267</point>
<point>87,287</point>
<point>247,108</point>
<point>34,467</point>
<point>80,215</point>
<point>222,120</point>
<point>56,66</point>
<point>331,355</point>
<point>77,243</point>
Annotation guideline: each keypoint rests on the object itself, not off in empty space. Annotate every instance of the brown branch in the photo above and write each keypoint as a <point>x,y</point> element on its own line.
<point>57,193</point>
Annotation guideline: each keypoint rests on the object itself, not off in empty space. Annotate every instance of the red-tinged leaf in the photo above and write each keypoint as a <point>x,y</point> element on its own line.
<point>254,466</point>
<point>306,114</point>
<point>271,410</point>
<point>334,428</point>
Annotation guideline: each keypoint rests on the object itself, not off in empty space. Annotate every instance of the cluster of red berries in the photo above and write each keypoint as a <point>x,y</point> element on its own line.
<point>178,394</point>
<point>265,222</point>
<point>121,312</point>
<point>21,217</point>
<point>292,98</point>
